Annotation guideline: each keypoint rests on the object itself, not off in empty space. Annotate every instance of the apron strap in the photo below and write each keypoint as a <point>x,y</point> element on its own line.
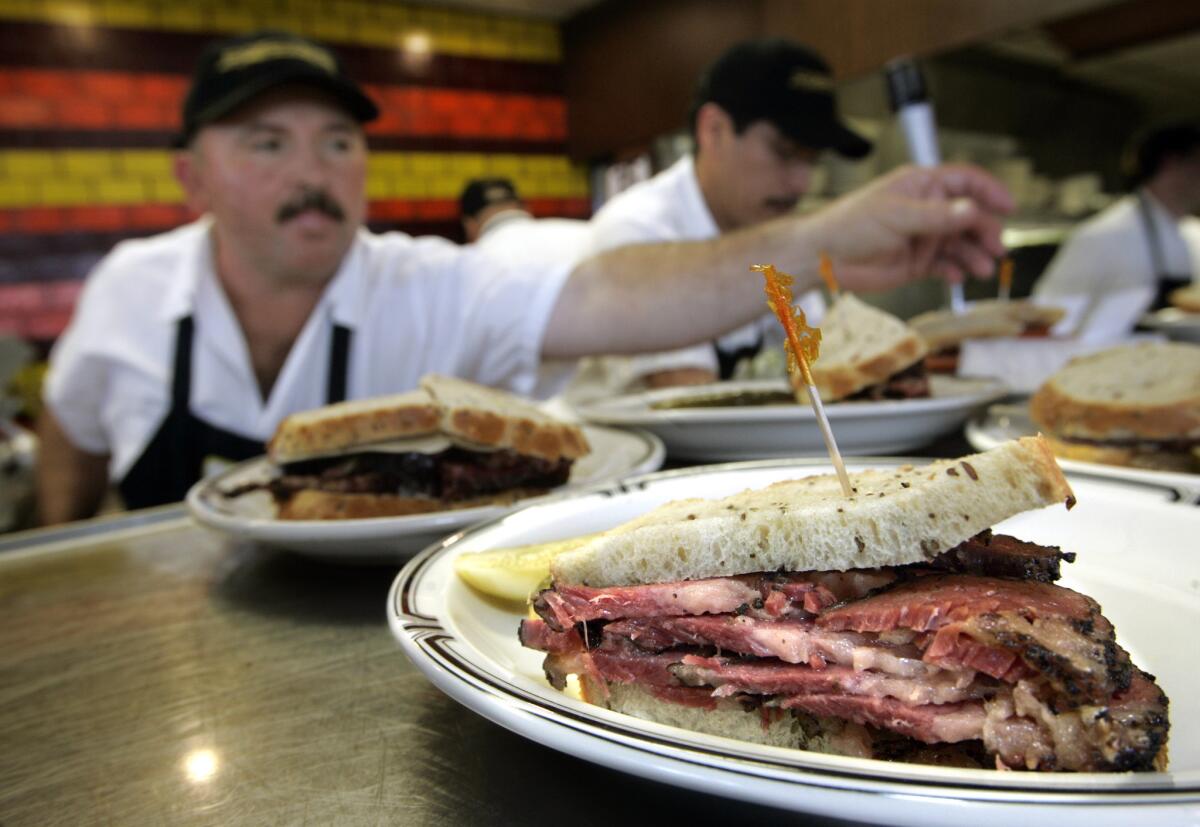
<point>1153,242</point>
<point>727,360</point>
<point>339,359</point>
<point>181,382</point>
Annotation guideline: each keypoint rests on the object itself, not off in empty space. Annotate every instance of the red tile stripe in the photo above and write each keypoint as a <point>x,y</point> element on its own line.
<point>36,310</point>
<point>88,99</point>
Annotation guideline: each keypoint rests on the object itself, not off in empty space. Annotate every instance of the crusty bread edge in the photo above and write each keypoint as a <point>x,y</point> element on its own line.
<point>545,438</point>
<point>836,383</point>
<point>695,538</point>
<point>297,439</point>
<point>1063,415</point>
<point>1186,299</point>
<point>314,504</point>
<point>1124,455</point>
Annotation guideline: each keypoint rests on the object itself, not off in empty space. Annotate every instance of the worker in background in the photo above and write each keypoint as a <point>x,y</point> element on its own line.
<point>761,116</point>
<point>1144,245</point>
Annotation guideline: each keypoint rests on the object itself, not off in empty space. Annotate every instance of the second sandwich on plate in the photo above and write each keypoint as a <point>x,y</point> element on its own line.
<point>449,444</point>
<point>1135,405</point>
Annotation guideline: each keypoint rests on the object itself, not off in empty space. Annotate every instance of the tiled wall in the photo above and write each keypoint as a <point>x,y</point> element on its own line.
<point>90,95</point>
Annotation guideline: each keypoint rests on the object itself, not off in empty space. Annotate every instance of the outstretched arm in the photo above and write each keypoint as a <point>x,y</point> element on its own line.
<point>70,482</point>
<point>906,225</point>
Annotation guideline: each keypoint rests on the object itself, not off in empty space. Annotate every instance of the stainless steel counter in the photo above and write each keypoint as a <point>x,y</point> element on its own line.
<point>152,672</point>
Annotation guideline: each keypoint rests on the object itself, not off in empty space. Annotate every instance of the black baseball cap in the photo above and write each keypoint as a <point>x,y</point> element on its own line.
<point>481,193</point>
<point>231,72</point>
<point>782,82</point>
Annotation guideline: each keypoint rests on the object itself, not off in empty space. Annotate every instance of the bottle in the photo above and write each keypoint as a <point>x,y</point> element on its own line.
<point>909,99</point>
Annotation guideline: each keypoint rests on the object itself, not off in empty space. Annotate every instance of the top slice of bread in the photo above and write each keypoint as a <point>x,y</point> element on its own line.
<point>1147,391</point>
<point>1186,298</point>
<point>357,422</point>
<point>983,320</point>
<point>861,346</point>
<point>472,413</point>
<point>496,419</point>
<point>896,516</point>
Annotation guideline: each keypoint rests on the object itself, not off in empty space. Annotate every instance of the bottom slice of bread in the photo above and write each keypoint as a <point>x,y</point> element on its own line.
<point>1125,455</point>
<point>313,504</point>
<point>790,729</point>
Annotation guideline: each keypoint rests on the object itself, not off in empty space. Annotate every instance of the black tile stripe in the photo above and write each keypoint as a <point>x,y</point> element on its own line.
<point>49,45</point>
<point>51,139</point>
<point>19,248</point>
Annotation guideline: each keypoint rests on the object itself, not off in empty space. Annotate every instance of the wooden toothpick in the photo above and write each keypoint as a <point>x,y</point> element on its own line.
<point>803,346</point>
<point>826,270</point>
<point>1005,278</point>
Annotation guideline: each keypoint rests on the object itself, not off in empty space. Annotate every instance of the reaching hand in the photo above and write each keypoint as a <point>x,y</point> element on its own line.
<point>915,222</point>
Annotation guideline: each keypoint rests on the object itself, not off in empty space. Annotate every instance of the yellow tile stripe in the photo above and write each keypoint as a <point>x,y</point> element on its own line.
<point>353,22</point>
<point>60,178</point>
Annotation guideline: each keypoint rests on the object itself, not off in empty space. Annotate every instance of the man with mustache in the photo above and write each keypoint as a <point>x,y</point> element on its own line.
<point>762,114</point>
<point>191,346</point>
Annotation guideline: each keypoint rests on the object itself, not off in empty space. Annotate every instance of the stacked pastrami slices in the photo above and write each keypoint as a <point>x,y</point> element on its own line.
<point>1028,669</point>
<point>973,656</point>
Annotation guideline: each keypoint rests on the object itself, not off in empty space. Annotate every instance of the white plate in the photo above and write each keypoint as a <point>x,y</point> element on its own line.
<point>1001,423</point>
<point>1175,323</point>
<point>759,432</point>
<point>615,454</point>
<point>1130,559</point>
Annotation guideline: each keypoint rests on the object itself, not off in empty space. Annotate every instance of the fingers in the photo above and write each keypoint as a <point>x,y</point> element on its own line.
<point>966,181</point>
<point>969,257</point>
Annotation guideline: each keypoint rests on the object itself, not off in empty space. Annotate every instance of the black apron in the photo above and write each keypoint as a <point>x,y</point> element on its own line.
<point>727,359</point>
<point>1164,282</point>
<point>175,457</point>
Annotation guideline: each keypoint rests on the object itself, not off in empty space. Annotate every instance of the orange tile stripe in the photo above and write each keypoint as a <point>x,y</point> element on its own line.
<point>157,217</point>
<point>67,99</point>
<point>360,22</point>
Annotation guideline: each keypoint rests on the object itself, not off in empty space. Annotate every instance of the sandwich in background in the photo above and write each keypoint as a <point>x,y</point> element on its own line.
<point>892,624</point>
<point>866,354</point>
<point>945,331</point>
<point>1135,405</point>
<point>1186,299</point>
<point>449,444</point>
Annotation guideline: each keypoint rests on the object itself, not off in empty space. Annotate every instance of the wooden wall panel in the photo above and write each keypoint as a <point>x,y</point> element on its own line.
<point>631,67</point>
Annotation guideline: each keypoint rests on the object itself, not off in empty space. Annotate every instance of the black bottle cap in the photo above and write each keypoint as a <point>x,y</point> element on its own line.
<point>905,83</point>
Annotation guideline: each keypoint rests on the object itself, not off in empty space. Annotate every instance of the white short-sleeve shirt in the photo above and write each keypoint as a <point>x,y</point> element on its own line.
<point>671,207</point>
<point>414,306</point>
<point>1110,251</point>
<point>520,241</point>
<point>1107,262</point>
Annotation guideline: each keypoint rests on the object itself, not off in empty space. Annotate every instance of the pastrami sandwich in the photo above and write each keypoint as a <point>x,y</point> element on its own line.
<point>868,354</point>
<point>449,444</point>
<point>1186,299</point>
<point>892,624</point>
<point>944,331</point>
<point>1135,405</point>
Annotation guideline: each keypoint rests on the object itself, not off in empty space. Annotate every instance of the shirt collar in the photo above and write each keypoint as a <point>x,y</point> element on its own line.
<point>693,201</point>
<point>1161,213</point>
<point>180,298</point>
<point>502,218</point>
<point>343,298</point>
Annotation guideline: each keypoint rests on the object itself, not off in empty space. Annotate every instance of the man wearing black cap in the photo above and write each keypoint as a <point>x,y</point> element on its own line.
<point>192,346</point>
<point>762,114</point>
<point>488,203</point>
